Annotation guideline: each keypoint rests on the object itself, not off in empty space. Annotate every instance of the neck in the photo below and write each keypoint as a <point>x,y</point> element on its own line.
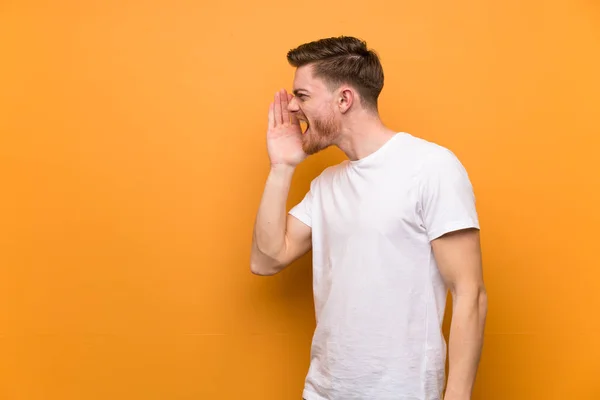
<point>362,135</point>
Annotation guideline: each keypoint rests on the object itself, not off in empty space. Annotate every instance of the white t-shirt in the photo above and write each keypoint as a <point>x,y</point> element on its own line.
<point>379,297</point>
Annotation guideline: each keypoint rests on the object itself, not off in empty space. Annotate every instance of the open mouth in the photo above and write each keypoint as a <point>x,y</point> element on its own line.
<point>303,123</point>
<point>303,126</point>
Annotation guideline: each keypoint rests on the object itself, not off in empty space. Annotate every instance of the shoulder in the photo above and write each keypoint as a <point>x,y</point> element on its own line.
<point>431,157</point>
<point>418,151</point>
<point>439,160</point>
<point>426,150</point>
<point>434,164</point>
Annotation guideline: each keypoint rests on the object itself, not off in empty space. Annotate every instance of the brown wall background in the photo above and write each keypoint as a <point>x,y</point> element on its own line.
<point>132,160</point>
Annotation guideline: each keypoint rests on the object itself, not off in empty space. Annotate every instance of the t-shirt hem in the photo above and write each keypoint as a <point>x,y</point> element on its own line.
<point>451,227</point>
<point>301,216</point>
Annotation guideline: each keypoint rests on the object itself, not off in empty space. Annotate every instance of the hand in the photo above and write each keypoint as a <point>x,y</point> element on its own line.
<point>284,136</point>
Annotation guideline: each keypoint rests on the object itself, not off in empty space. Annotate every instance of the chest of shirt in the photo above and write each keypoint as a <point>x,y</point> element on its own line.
<point>363,204</point>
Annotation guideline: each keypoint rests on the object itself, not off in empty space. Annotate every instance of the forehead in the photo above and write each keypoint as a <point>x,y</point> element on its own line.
<point>304,79</point>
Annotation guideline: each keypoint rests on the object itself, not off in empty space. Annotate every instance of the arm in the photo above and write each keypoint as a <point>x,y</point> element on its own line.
<point>458,256</point>
<point>278,238</point>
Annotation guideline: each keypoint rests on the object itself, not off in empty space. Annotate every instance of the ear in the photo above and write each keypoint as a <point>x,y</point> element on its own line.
<point>346,98</point>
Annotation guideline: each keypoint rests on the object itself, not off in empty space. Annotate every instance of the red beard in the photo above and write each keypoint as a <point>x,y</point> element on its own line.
<point>319,135</point>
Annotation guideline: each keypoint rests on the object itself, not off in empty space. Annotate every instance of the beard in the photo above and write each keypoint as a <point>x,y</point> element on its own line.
<point>320,134</point>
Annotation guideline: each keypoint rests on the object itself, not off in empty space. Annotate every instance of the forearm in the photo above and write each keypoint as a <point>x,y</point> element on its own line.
<point>270,225</point>
<point>466,341</point>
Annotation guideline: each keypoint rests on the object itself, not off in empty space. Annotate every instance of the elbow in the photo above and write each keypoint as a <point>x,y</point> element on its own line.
<point>479,293</point>
<point>264,266</point>
<point>264,263</point>
<point>475,294</point>
<point>261,270</point>
<point>477,300</point>
<point>256,270</point>
<point>483,301</point>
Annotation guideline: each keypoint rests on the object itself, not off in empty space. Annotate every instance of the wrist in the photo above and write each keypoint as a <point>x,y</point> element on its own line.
<point>281,174</point>
<point>282,168</point>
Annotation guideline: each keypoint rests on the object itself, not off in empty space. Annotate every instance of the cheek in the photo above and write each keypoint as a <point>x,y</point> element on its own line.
<point>315,114</point>
<point>305,110</point>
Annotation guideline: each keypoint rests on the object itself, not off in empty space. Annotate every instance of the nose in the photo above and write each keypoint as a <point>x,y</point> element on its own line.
<point>293,105</point>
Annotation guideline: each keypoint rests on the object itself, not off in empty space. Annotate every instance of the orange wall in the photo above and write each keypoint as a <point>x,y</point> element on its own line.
<point>132,161</point>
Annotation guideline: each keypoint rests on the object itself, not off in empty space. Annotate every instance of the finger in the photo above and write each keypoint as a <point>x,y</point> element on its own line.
<point>277,105</point>
<point>285,113</point>
<point>271,116</point>
<point>293,117</point>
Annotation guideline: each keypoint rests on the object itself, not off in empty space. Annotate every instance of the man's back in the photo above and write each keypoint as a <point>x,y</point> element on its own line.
<point>379,297</point>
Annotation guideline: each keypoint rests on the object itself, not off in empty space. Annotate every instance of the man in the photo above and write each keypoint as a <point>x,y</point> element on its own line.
<point>391,230</point>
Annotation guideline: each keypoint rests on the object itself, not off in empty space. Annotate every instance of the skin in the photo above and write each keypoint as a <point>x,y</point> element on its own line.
<point>337,117</point>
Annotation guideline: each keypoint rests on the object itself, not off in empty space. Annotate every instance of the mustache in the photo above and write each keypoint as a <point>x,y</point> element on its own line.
<point>301,117</point>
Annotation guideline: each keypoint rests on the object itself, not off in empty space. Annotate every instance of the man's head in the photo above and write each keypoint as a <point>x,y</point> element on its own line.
<point>334,78</point>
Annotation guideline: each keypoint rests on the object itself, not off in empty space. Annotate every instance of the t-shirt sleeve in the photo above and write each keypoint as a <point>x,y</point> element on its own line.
<point>303,210</point>
<point>447,200</point>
